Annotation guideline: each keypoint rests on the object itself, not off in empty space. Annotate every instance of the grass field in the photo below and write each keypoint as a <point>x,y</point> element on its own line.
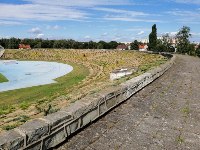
<point>90,74</point>
<point>3,79</point>
<point>25,97</point>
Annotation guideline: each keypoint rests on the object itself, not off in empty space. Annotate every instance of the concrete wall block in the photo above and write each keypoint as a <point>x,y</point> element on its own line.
<point>57,119</point>
<point>91,101</point>
<point>11,140</point>
<point>111,102</point>
<point>102,108</point>
<point>34,130</point>
<point>124,95</point>
<point>86,119</point>
<point>119,98</point>
<point>74,126</point>
<point>36,146</point>
<point>77,109</point>
<point>93,114</point>
<point>55,139</point>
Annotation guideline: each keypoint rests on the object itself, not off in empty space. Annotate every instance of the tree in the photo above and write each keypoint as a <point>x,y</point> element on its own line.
<point>198,51</point>
<point>135,45</point>
<point>59,44</point>
<point>191,49</point>
<point>113,45</point>
<point>38,45</point>
<point>183,40</point>
<point>153,39</point>
<point>165,45</point>
<point>99,46</point>
<point>13,43</point>
<point>160,47</point>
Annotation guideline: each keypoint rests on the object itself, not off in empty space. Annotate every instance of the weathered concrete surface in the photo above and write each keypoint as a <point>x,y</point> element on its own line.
<point>164,115</point>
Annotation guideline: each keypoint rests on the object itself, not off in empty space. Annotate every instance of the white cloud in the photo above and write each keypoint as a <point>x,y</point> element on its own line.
<point>39,12</point>
<point>80,3</point>
<point>140,33</point>
<point>36,30</point>
<point>173,33</point>
<point>138,29</point>
<point>124,12</point>
<point>104,34</point>
<point>55,27</point>
<point>185,16</point>
<point>187,1</point>
<point>39,35</point>
<point>126,15</point>
<point>45,10</point>
<point>196,34</point>
<point>79,10</point>
<point>87,37</point>
<point>7,22</point>
<point>125,18</point>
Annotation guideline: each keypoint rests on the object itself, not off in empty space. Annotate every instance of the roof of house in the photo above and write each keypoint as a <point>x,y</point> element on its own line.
<point>122,46</point>
<point>24,46</point>
<point>141,46</point>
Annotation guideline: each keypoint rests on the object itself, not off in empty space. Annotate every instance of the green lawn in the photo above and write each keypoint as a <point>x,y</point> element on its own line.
<point>24,97</point>
<point>3,79</point>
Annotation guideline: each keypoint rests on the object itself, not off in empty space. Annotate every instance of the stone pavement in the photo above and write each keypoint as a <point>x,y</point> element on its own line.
<point>164,115</point>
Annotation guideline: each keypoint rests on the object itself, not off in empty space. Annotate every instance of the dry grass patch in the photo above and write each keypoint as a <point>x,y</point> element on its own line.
<point>90,74</point>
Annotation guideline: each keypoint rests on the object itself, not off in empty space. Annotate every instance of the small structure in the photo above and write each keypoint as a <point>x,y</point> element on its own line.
<point>1,50</point>
<point>23,46</point>
<point>122,47</point>
<point>143,47</point>
<point>197,46</point>
<point>118,73</point>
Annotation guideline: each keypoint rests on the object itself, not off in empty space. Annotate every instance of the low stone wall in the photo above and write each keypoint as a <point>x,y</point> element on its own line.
<point>1,52</point>
<point>49,131</point>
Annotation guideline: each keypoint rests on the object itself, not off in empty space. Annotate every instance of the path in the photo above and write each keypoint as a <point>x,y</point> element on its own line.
<point>164,115</point>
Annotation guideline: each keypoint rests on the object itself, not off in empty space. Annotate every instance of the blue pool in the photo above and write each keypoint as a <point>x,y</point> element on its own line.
<point>22,74</point>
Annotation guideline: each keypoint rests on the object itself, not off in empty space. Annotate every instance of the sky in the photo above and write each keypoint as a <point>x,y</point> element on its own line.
<point>84,20</point>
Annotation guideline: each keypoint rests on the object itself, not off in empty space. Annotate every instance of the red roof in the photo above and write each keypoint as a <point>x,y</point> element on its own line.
<point>122,46</point>
<point>23,46</point>
<point>141,46</point>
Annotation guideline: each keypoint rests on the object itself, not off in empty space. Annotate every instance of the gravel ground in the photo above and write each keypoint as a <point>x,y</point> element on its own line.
<point>164,115</point>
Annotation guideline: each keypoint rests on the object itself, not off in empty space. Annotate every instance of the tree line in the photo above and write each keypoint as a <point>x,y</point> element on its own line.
<point>182,45</point>
<point>182,42</point>
<point>13,43</point>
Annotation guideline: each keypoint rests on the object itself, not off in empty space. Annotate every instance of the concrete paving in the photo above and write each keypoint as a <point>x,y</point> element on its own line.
<point>164,115</point>
<point>23,74</point>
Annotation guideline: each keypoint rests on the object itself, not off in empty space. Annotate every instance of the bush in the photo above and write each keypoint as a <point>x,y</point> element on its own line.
<point>198,52</point>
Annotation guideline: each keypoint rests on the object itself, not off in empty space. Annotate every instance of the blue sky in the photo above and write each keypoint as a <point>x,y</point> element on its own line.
<point>83,20</point>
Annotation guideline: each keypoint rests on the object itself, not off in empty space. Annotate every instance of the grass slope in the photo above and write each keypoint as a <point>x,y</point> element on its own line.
<point>90,74</point>
<point>25,97</point>
<point>3,78</point>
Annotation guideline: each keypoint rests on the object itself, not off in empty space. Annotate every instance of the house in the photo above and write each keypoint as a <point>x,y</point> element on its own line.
<point>122,47</point>
<point>197,46</point>
<point>143,47</point>
<point>23,46</point>
<point>128,46</point>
